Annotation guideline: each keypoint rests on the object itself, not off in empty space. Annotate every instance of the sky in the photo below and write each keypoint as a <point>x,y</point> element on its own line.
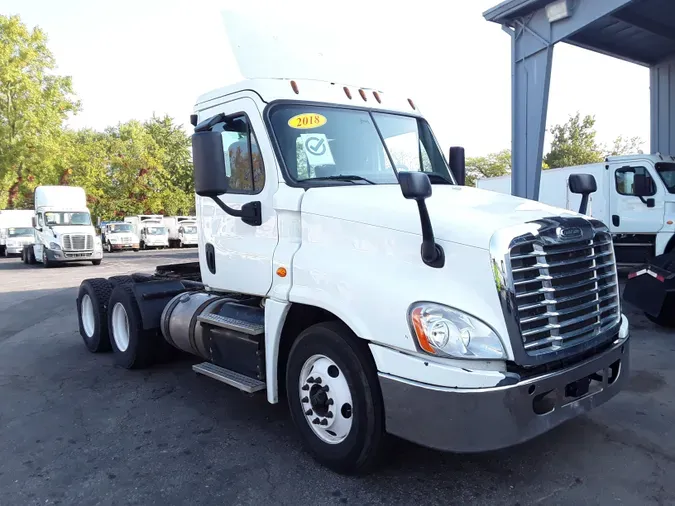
<point>130,59</point>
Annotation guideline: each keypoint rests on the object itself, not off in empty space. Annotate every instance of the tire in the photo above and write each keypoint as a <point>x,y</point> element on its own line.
<point>142,245</point>
<point>3,249</point>
<point>45,259</point>
<point>23,256</point>
<point>92,314</point>
<point>108,247</point>
<point>133,346</point>
<point>96,262</point>
<point>353,451</point>
<point>5,252</point>
<point>135,250</point>
<point>31,256</point>
<point>663,320</point>
<point>120,280</point>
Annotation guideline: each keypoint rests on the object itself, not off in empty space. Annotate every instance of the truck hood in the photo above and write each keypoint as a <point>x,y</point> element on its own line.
<point>458,214</point>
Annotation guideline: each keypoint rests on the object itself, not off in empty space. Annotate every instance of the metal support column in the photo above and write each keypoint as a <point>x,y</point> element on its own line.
<point>532,57</point>
<point>663,108</point>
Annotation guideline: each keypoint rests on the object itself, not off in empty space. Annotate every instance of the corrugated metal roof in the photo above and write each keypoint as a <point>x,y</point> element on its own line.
<point>642,32</point>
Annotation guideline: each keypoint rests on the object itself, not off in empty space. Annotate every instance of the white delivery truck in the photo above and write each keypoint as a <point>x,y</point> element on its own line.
<point>16,230</point>
<point>635,198</point>
<point>150,230</point>
<point>118,236</point>
<point>375,300</point>
<point>182,230</point>
<point>63,228</point>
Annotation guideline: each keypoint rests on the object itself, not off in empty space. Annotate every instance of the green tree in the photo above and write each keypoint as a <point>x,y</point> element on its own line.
<point>34,102</point>
<point>574,143</point>
<point>492,165</point>
<point>626,146</point>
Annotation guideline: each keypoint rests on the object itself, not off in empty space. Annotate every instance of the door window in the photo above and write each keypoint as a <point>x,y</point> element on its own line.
<point>243,160</point>
<point>625,180</point>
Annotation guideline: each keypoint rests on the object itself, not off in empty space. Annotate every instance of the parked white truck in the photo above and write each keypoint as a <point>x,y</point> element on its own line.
<point>16,230</point>
<point>464,320</point>
<point>118,236</point>
<point>63,228</point>
<point>635,197</point>
<point>182,230</point>
<point>150,230</point>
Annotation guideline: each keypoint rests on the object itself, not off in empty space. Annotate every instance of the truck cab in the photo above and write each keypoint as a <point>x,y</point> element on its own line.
<point>182,230</point>
<point>118,236</point>
<point>344,267</point>
<point>15,231</point>
<point>150,230</point>
<point>63,228</point>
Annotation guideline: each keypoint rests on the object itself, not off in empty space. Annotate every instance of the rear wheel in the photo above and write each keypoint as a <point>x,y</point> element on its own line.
<point>134,346</point>
<point>334,398</point>
<point>92,305</point>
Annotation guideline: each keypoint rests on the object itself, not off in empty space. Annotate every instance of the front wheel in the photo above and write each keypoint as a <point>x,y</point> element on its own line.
<point>96,262</point>
<point>334,398</point>
<point>45,259</point>
<point>108,247</point>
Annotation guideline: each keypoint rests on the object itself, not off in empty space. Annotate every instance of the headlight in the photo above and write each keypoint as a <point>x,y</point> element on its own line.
<point>113,239</point>
<point>54,246</point>
<point>447,332</point>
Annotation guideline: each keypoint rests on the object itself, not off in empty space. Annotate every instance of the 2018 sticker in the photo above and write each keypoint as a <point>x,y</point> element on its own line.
<point>307,120</point>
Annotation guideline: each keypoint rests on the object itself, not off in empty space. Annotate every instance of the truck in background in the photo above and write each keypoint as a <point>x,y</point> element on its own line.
<point>150,230</point>
<point>63,228</point>
<point>182,230</point>
<point>16,230</point>
<point>635,198</point>
<point>374,299</point>
<point>118,236</point>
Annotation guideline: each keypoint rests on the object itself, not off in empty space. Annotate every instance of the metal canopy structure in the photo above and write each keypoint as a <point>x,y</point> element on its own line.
<point>638,31</point>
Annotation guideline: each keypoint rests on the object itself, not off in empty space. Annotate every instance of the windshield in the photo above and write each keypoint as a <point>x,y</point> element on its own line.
<point>189,230</point>
<point>63,218</point>
<point>156,230</point>
<point>328,142</point>
<point>122,227</point>
<point>19,232</point>
<point>667,173</point>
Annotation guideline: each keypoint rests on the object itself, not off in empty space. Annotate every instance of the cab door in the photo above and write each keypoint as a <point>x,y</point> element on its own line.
<point>632,214</point>
<point>236,256</point>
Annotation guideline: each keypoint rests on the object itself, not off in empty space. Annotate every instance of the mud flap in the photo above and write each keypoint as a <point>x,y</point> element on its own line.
<point>152,296</point>
<point>651,287</point>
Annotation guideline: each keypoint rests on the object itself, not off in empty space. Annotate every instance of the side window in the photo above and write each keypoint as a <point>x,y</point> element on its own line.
<point>625,180</point>
<point>243,160</point>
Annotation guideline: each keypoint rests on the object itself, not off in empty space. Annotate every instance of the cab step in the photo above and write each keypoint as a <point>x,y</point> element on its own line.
<point>229,323</point>
<point>243,383</point>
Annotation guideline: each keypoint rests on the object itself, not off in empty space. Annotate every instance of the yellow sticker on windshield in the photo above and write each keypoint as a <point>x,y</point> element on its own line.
<point>307,120</point>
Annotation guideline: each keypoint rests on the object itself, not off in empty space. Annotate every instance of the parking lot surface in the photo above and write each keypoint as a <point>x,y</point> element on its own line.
<point>74,429</point>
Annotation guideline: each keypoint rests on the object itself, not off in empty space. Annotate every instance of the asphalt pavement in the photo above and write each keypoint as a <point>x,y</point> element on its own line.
<point>74,429</point>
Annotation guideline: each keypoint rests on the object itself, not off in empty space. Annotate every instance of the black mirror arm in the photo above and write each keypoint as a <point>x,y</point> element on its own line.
<point>432,253</point>
<point>250,213</point>
<point>584,203</point>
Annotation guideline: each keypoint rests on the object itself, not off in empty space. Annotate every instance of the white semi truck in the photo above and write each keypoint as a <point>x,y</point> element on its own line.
<point>63,228</point>
<point>182,230</point>
<point>119,236</point>
<point>16,230</point>
<point>150,230</point>
<point>375,299</point>
<point>635,198</point>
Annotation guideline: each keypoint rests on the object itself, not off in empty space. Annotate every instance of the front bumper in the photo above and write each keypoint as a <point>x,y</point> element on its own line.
<point>73,256</point>
<point>484,419</point>
<point>118,247</point>
<point>14,250</point>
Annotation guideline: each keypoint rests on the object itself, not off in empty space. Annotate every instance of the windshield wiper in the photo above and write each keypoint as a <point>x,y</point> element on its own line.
<point>340,177</point>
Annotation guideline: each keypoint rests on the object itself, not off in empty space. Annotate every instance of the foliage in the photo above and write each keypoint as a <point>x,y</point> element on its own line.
<point>131,168</point>
<point>574,143</point>
<point>492,165</point>
<point>626,146</point>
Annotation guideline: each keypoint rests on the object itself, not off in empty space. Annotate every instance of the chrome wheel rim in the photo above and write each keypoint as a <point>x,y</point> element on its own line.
<point>120,327</point>
<point>88,322</point>
<point>325,399</point>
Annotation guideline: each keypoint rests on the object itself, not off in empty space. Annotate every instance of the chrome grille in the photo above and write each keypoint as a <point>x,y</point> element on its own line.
<point>565,293</point>
<point>74,242</point>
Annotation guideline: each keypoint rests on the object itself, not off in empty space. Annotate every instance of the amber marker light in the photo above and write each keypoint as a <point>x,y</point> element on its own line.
<point>416,317</point>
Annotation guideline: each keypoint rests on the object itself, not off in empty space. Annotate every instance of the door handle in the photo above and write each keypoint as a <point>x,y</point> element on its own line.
<point>616,220</point>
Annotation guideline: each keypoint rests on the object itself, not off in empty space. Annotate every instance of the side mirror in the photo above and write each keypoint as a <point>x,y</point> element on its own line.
<point>416,186</point>
<point>642,185</point>
<point>584,185</point>
<point>208,160</point>
<point>34,221</point>
<point>458,164</point>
